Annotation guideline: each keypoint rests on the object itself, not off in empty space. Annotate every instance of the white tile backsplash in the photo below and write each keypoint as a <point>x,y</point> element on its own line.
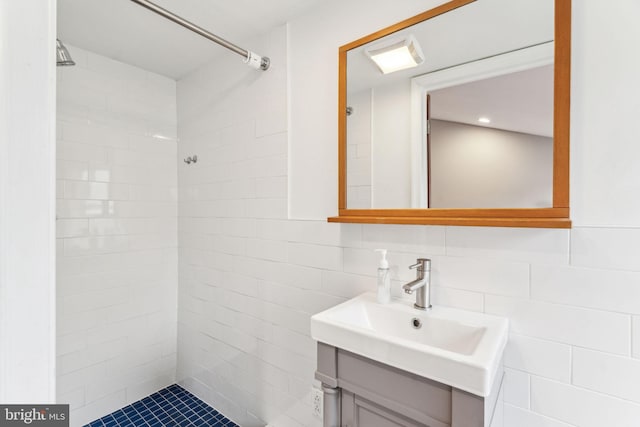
<point>346,285</point>
<point>580,407</point>
<point>117,235</point>
<point>482,275</point>
<point>516,388</point>
<point>545,246</point>
<point>607,248</point>
<point>599,330</point>
<point>404,238</point>
<point>539,357</point>
<point>609,290</point>
<point>515,416</point>
<point>606,373</point>
<point>456,298</point>
<point>365,261</point>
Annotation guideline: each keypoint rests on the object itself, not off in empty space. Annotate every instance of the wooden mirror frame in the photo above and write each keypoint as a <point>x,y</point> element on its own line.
<point>556,216</point>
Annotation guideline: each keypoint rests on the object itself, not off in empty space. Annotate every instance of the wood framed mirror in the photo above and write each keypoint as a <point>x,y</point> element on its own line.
<point>403,160</point>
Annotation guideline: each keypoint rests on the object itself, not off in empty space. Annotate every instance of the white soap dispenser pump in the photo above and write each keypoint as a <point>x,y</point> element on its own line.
<point>384,279</point>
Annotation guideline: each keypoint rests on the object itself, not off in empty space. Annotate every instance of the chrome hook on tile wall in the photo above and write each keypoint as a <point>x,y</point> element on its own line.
<point>191,159</point>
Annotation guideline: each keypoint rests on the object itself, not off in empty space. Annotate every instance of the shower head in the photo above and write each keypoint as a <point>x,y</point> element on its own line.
<point>63,58</point>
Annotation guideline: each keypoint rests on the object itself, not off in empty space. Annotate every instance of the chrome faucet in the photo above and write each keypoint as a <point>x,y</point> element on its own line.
<point>421,286</point>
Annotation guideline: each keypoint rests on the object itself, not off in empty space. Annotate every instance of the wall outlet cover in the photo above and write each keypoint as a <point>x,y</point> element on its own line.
<point>317,398</point>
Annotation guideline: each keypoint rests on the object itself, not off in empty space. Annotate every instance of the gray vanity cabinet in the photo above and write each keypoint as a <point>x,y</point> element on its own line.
<point>360,392</point>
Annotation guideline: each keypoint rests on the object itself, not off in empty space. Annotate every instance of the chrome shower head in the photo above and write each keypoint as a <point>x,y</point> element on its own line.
<point>63,58</point>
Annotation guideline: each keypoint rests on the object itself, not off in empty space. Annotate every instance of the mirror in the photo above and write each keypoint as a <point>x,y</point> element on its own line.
<point>473,130</point>
<point>492,119</point>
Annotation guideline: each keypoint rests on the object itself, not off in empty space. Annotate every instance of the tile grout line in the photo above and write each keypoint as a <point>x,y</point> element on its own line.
<point>188,406</point>
<point>154,416</point>
<point>200,403</point>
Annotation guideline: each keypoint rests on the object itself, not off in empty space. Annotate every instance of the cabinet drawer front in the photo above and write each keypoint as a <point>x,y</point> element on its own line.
<point>368,414</point>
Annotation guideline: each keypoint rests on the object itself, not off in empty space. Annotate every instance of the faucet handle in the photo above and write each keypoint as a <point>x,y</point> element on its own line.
<point>422,264</point>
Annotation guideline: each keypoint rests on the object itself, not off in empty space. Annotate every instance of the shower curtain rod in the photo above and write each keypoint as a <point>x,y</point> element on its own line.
<point>251,58</point>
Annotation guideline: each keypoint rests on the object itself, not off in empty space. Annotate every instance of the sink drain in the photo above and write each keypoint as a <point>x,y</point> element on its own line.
<point>416,323</point>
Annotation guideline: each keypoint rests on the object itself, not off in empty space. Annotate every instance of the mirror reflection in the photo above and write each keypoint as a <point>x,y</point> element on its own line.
<point>466,121</point>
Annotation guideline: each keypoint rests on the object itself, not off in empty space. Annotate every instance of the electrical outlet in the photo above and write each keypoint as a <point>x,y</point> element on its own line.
<point>317,398</point>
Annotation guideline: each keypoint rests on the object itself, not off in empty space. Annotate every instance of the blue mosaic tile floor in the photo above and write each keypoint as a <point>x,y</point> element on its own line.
<point>170,407</point>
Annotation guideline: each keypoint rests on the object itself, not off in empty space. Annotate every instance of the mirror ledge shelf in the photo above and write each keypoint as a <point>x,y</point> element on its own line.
<point>521,222</point>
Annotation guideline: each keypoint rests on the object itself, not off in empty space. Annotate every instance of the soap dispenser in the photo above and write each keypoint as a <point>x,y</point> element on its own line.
<point>384,280</point>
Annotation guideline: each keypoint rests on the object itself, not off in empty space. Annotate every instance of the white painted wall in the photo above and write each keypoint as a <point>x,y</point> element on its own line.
<point>27,201</point>
<point>116,234</point>
<point>480,167</point>
<point>604,175</point>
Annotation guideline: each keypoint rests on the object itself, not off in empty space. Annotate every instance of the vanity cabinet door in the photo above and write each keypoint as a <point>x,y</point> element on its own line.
<point>359,412</point>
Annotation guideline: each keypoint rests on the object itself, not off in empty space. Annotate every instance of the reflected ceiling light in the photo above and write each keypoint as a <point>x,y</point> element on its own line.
<point>396,55</point>
<point>485,120</point>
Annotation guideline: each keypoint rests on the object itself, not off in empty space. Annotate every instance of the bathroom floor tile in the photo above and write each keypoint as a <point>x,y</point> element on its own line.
<point>170,407</point>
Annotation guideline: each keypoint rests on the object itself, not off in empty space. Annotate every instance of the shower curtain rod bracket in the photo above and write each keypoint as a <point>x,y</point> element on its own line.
<point>256,61</point>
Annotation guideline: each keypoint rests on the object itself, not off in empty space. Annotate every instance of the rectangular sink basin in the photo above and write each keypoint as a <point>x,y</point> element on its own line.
<point>459,348</point>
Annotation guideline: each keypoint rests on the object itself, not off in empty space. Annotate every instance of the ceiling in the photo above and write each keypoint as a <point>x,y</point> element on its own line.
<point>127,32</point>
<point>519,102</point>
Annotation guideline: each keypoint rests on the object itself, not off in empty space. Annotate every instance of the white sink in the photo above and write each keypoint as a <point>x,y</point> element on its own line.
<point>459,348</point>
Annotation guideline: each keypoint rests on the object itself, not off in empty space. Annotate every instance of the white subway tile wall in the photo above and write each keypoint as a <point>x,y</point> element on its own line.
<point>250,278</point>
<point>517,388</point>
<point>117,234</point>
<point>514,416</point>
<point>581,407</point>
<point>539,357</point>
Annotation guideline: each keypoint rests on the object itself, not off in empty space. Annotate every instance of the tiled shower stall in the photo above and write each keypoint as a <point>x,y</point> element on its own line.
<point>117,234</point>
